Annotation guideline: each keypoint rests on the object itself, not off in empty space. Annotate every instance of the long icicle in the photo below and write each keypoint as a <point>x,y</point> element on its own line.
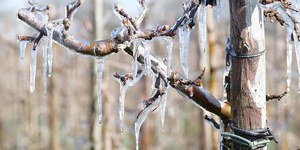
<point>100,67</point>
<point>184,43</point>
<point>33,69</point>
<point>163,105</point>
<point>202,25</point>
<point>141,119</point>
<point>147,48</point>
<point>135,62</point>
<point>297,51</point>
<point>123,89</point>
<point>49,51</point>
<point>45,77</point>
<point>289,63</point>
<point>169,54</point>
<point>217,10</point>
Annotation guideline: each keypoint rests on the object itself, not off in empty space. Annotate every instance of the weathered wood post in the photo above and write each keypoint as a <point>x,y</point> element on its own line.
<point>247,83</point>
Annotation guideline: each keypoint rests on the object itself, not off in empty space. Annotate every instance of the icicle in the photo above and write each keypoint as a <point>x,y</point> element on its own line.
<point>100,67</point>
<point>123,89</point>
<point>202,25</point>
<point>289,63</point>
<point>169,54</point>
<point>163,105</point>
<point>141,119</point>
<point>147,48</point>
<point>45,60</point>
<point>23,45</point>
<point>33,69</point>
<point>49,51</point>
<point>297,51</point>
<point>135,62</point>
<point>217,10</point>
<point>153,77</point>
<point>184,42</point>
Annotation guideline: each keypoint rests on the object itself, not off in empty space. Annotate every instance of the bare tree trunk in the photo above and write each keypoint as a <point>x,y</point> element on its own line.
<point>211,41</point>
<point>93,110</point>
<point>247,84</point>
<point>54,141</point>
<point>146,130</point>
<point>203,62</point>
<point>95,128</point>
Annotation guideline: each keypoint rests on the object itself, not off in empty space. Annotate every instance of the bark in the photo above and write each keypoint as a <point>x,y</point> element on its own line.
<point>247,84</point>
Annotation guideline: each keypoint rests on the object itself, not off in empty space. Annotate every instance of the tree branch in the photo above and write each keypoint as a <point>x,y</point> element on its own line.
<point>95,48</point>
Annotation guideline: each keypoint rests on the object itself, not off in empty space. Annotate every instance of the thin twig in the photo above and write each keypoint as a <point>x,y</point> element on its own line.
<point>274,97</point>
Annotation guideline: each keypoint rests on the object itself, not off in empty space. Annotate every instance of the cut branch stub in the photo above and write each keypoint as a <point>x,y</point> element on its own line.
<point>201,97</point>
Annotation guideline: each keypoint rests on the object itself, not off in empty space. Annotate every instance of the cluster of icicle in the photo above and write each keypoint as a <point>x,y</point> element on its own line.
<point>143,47</point>
<point>46,46</point>
<point>291,19</point>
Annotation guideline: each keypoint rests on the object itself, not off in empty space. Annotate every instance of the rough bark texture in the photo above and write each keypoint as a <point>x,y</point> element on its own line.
<point>247,85</point>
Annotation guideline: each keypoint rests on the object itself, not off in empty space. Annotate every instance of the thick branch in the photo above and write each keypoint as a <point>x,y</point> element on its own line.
<point>96,48</point>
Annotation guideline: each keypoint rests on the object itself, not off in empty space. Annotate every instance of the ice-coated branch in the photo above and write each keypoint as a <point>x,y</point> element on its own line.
<point>283,12</point>
<point>72,8</point>
<point>95,48</point>
<point>200,96</point>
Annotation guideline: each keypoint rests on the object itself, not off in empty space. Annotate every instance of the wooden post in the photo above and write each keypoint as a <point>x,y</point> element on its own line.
<point>247,84</point>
